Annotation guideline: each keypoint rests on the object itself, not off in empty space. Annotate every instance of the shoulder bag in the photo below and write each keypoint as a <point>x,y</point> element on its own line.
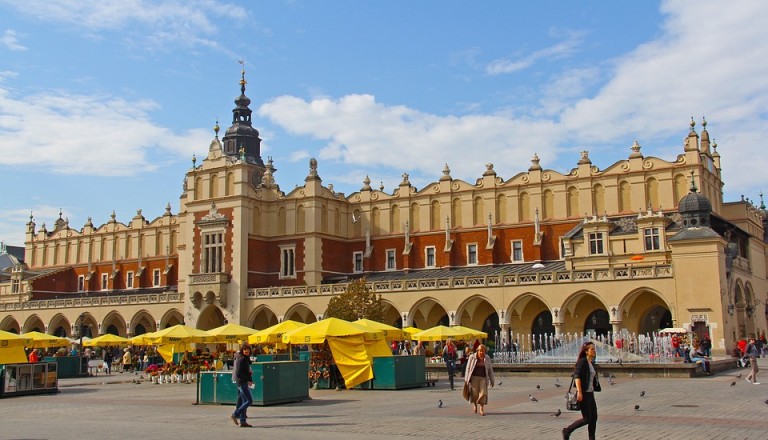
<point>571,401</point>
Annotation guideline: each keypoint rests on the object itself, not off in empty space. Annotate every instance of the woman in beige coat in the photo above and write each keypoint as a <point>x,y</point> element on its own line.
<point>479,375</point>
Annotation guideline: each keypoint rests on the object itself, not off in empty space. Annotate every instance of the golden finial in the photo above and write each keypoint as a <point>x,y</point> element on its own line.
<point>216,128</point>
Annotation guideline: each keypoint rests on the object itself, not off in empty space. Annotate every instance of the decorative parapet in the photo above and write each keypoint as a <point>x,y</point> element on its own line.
<point>469,282</point>
<point>96,301</point>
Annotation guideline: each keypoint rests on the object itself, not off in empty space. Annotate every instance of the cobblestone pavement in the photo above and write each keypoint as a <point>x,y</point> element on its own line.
<point>111,407</point>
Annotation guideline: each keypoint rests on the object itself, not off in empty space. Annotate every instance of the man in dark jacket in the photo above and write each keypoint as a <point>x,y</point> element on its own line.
<point>241,376</point>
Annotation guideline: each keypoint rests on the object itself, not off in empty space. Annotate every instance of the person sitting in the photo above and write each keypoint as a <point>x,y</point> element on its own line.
<point>697,356</point>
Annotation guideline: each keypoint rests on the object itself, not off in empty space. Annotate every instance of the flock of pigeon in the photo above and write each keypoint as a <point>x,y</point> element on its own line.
<point>610,377</point>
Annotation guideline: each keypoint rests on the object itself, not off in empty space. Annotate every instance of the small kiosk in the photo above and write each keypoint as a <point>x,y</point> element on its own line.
<point>28,378</point>
<point>274,383</point>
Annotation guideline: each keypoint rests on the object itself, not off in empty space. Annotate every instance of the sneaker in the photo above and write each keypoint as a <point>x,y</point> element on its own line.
<point>234,419</point>
<point>755,383</point>
<point>246,425</point>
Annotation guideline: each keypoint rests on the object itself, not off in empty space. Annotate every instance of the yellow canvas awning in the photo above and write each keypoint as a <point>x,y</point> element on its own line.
<point>231,333</point>
<point>390,332</point>
<point>439,333</point>
<point>408,332</point>
<point>352,359</point>
<point>274,334</point>
<point>178,334</point>
<point>44,340</point>
<point>318,332</point>
<point>106,340</point>
<point>142,339</point>
<point>12,348</point>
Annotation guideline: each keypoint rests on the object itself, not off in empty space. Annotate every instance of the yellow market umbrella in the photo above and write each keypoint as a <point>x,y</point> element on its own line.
<point>142,339</point>
<point>390,332</point>
<point>274,334</point>
<point>178,334</point>
<point>231,333</point>
<point>12,348</point>
<point>409,331</point>
<point>317,332</point>
<point>439,333</point>
<point>8,339</point>
<point>44,340</point>
<point>471,333</point>
<point>106,340</point>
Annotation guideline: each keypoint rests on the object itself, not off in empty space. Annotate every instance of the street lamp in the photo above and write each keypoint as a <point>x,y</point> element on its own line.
<point>81,330</point>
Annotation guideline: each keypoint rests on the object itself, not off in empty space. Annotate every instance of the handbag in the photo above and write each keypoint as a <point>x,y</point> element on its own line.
<point>466,392</point>
<point>596,385</point>
<point>571,401</point>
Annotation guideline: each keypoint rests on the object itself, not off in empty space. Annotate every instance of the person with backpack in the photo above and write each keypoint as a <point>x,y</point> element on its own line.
<point>242,377</point>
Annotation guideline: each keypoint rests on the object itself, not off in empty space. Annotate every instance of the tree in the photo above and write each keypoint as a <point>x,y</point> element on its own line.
<point>357,302</point>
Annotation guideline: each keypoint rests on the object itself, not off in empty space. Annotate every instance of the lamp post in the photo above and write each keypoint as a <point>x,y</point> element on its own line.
<point>81,331</point>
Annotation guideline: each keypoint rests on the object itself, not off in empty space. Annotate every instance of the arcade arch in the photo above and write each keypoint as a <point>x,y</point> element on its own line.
<point>427,313</point>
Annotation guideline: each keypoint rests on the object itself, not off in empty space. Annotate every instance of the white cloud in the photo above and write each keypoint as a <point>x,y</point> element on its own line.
<point>559,50</point>
<point>11,42</point>
<point>87,135</point>
<point>156,24</point>
<point>363,133</point>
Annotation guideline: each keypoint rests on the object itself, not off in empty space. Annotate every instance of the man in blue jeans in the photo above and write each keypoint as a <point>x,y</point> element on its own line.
<point>241,376</point>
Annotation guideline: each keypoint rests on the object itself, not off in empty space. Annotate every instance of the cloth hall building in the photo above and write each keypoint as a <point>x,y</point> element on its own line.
<point>643,244</point>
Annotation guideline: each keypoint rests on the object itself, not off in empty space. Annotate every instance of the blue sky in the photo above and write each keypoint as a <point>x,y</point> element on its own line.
<point>103,103</point>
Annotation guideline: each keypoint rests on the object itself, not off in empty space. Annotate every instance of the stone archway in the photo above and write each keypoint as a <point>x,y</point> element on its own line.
<point>33,324</point>
<point>428,313</point>
<point>261,318</point>
<point>391,315</point>
<point>301,313</point>
<point>210,317</point>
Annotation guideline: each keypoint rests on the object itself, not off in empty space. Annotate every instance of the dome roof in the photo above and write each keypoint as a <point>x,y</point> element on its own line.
<point>694,202</point>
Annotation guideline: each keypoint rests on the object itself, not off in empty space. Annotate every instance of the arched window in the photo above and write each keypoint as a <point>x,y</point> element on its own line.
<point>478,209</point>
<point>598,199</point>
<point>625,197</point>
<point>456,213</point>
<point>395,219</point>
<point>434,215</point>
<point>652,193</point>
<point>524,207</point>
<point>572,202</point>
<point>415,220</point>
<point>548,205</point>
<point>501,208</point>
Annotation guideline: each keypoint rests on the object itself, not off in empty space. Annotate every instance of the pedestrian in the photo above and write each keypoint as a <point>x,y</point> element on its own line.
<point>241,376</point>
<point>127,359</point>
<point>479,376</point>
<point>751,352</point>
<point>108,358</point>
<point>419,349</point>
<point>34,356</point>
<point>449,356</point>
<point>706,345</point>
<point>585,379</point>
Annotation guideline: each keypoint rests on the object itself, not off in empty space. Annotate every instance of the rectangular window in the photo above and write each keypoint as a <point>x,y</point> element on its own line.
<point>156,277</point>
<point>288,262</point>
<point>357,261</point>
<point>391,262</point>
<point>563,250</point>
<point>80,283</point>
<point>129,280</point>
<point>596,243</point>
<point>15,286</point>
<point>517,251</point>
<point>213,253</point>
<point>651,236</point>
<point>471,254</point>
<point>429,256</point>
<point>104,281</point>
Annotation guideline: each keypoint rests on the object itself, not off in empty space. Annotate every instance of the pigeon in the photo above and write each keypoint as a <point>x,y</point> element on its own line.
<point>637,407</point>
<point>532,399</point>
<point>538,387</point>
<point>766,402</point>
<point>499,383</point>
<point>733,384</point>
<point>558,412</point>
<point>738,376</point>
<point>557,385</point>
<point>440,403</point>
<point>631,374</point>
<point>642,393</point>
<point>610,380</point>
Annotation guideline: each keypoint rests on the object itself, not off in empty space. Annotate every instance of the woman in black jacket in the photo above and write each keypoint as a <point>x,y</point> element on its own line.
<point>585,378</point>
<point>241,376</point>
